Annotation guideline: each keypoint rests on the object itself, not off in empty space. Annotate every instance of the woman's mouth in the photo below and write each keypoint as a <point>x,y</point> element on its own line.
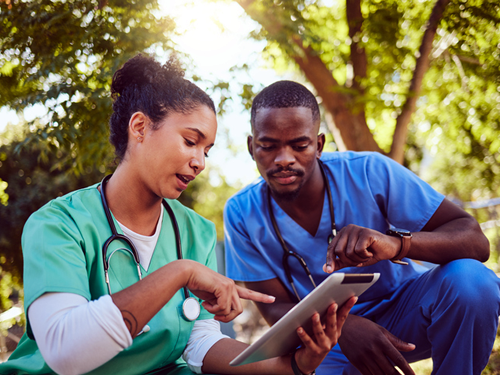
<point>183,180</point>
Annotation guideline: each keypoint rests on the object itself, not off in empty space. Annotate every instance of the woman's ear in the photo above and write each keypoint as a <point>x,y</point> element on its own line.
<point>137,126</point>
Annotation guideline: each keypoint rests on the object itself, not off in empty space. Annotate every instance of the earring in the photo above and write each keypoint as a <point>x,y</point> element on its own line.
<point>139,139</point>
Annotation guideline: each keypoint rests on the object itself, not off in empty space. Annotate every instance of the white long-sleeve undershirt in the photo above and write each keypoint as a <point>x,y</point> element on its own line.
<point>76,336</point>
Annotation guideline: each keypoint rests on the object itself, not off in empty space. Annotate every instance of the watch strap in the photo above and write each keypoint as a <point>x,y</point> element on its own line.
<point>296,369</point>
<point>405,248</point>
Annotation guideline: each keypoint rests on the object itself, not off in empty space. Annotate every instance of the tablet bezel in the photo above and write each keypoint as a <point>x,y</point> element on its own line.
<point>282,338</point>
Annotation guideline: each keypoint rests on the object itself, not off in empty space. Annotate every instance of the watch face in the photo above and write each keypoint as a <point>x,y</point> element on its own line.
<point>399,231</point>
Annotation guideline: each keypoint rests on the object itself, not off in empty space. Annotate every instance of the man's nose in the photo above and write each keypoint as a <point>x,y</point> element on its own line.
<point>284,158</point>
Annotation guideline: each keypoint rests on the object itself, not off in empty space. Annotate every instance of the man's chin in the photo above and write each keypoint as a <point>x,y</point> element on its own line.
<point>288,196</point>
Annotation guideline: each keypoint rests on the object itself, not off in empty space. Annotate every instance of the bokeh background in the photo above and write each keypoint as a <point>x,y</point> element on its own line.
<point>418,80</point>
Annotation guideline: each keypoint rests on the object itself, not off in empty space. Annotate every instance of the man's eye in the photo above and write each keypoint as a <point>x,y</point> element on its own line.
<point>266,147</point>
<point>300,147</point>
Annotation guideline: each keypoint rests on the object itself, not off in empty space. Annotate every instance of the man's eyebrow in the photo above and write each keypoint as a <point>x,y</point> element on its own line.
<point>303,138</point>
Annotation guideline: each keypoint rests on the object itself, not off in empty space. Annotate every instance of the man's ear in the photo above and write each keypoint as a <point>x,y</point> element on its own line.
<point>320,143</point>
<point>137,126</point>
<point>250,146</point>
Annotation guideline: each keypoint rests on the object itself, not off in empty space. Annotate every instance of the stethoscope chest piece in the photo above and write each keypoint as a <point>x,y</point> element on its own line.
<point>190,309</point>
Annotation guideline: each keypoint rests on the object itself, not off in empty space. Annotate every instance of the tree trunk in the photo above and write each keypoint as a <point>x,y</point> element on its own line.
<point>422,65</point>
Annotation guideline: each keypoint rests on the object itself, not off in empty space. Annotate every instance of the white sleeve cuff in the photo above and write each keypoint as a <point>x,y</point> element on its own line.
<point>204,335</point>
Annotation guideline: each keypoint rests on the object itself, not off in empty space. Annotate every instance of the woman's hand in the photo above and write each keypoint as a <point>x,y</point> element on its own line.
<point>220,294</point>
<point>325,336</point>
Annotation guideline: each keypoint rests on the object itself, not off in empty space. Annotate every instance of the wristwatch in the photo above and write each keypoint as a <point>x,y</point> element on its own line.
<point>405,236</point>
<point>296,369</point>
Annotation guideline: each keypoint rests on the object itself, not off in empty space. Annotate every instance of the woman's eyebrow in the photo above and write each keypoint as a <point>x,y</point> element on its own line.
<point>200,133</point>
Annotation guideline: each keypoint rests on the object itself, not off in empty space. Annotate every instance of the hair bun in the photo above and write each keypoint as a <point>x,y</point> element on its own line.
<point>144,70</point>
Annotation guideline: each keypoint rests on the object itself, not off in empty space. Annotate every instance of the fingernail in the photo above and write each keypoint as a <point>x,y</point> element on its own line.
<point>300,331</point>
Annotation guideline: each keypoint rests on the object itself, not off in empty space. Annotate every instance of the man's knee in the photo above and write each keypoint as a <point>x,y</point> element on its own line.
<point>469,282</point>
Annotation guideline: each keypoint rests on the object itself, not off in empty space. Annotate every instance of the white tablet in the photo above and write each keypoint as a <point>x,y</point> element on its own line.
<point>282,337</point>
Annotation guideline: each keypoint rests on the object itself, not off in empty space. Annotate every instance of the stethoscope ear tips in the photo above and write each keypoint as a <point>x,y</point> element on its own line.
<point>146,329</point>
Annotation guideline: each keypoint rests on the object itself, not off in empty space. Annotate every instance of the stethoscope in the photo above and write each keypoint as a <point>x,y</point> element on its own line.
<point>288,252</point>
<point>190,307</point>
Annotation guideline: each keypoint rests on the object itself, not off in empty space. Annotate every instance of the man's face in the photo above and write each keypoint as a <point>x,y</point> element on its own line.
<point>285,146</point>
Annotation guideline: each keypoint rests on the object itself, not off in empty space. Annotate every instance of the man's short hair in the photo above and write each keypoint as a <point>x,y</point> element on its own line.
<point>285,94</point>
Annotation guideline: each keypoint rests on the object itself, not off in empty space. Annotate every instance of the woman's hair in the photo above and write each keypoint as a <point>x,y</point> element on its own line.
<point>144,85</point>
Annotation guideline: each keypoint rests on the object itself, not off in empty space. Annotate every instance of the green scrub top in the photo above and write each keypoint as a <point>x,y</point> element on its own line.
<point>62,247</point>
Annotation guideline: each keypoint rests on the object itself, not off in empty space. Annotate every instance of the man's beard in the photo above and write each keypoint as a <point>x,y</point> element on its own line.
<point>288,196</point>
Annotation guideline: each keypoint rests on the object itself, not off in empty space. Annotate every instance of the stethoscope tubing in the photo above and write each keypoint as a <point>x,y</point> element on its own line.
<point>287,252</point>
<point>133,250</point>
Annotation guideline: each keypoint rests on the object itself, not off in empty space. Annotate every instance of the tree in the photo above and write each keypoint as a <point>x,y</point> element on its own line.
<point>390,71</point>
<point>62,55</point>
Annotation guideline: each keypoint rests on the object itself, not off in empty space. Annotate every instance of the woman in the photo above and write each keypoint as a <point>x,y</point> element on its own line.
<point>162,128</point>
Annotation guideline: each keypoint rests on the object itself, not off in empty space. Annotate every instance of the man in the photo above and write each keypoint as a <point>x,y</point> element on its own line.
<point>449,313</point>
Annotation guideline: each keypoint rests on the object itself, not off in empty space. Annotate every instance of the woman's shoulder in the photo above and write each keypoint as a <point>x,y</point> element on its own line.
<point>76,203</point>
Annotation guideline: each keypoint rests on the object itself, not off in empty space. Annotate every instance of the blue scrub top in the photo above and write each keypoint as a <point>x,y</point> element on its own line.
<point>62,245</point>
<point>368,189</point>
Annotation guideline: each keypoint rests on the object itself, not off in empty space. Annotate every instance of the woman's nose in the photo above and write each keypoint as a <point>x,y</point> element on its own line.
<point>198,162</point>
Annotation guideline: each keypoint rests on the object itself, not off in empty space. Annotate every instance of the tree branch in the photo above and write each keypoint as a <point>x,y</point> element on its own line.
<point>358,53</point>
<point>421,67</point>
<point>352,126</point>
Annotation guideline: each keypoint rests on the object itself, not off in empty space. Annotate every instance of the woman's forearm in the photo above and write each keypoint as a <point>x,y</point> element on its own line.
<point>218,357</point>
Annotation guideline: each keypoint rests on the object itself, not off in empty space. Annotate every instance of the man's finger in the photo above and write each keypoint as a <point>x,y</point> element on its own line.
<point>399,344</point>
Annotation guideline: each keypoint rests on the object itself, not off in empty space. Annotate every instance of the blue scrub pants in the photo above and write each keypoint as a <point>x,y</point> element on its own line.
<point>449,312</point>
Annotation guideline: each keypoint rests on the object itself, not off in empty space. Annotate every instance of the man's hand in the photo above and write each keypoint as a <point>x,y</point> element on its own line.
<point>371,348</point>
<point>324,338</point>
<point>358,247</point>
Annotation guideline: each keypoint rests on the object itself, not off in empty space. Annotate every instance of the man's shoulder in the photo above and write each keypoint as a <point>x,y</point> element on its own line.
<point>348,156</point>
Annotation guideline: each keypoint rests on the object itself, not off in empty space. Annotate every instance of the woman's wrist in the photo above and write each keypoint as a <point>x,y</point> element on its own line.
<point>295,367</point>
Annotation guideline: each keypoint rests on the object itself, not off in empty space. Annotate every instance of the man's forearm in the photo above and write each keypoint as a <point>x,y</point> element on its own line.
<point>457,239</point>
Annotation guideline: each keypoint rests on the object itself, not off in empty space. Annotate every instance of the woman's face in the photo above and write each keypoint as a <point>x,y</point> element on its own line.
<point>174,154</point>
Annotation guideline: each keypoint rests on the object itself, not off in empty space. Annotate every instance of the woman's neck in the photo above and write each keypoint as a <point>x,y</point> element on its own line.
<point>131,203</point>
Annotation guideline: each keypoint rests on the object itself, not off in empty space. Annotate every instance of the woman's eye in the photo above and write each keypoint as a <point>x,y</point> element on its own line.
<point>206,154</point>
<point>189,143</point>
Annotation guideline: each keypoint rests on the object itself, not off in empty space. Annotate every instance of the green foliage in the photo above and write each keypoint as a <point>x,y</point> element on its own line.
<point>32,182</point>
<point>456,123</point>
<point>62,54</point>
<point>4,197</point>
